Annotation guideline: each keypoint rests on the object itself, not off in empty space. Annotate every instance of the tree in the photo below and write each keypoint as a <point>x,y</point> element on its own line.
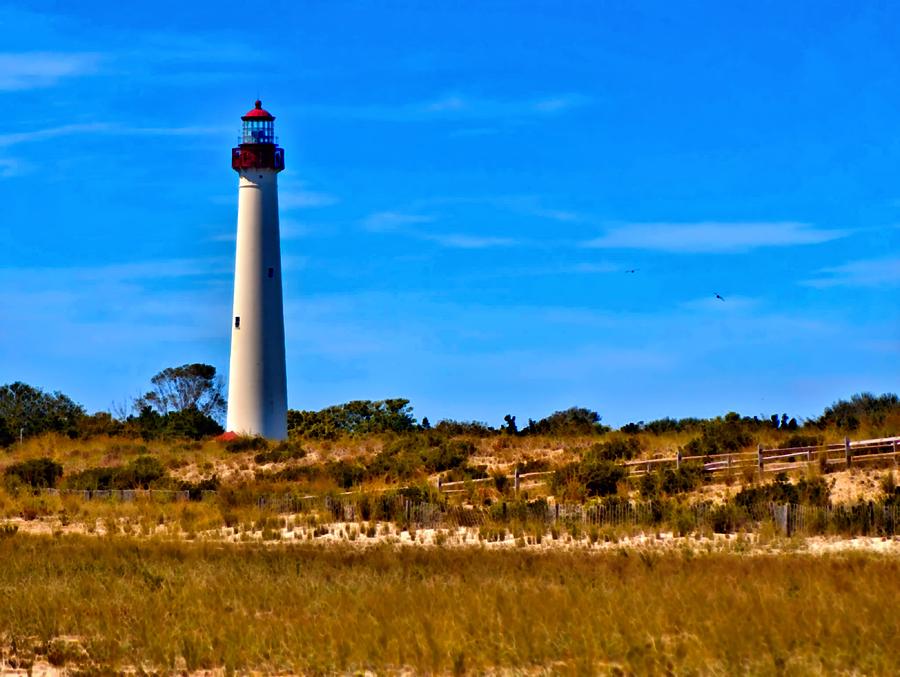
<point>510,428</point>
<point>99,423</point>
<point>191,423</point>
<point>190,386</point>
<point>848,416</point>
<point>358,417</point>
<point>572,421</point>
<point>31,411</point>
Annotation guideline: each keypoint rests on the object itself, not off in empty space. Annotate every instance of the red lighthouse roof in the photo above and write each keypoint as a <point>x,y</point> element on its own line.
<point>258,113</point>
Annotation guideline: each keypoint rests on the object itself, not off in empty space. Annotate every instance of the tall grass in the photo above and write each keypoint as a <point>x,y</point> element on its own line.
<point>198,606</point>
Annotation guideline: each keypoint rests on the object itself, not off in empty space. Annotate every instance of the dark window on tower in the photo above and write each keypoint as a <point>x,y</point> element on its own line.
<point>271,272</point>
<point>237,322</point>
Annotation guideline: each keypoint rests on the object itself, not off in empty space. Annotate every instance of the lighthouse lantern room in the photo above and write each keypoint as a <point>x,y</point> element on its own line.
<point>258,145</point>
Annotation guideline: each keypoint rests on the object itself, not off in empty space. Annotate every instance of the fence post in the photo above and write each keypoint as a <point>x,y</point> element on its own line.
<point>780,513</point>
<point>440,483</point>
<point>808,455</point>
<point>759,459</point>
<point>678,460</point>
<point>847,450</point>
<point>516,479</point>
<point>894,449</point>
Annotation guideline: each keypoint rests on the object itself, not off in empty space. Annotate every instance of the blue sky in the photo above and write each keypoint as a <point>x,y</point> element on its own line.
<point>466,187</point>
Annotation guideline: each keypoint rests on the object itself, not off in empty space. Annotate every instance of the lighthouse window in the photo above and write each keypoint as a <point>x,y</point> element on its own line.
<point>237,322</point>
<point>271,272</point>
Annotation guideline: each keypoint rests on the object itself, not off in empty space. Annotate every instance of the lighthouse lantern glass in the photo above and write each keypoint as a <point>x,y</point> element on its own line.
<point>258,131</point>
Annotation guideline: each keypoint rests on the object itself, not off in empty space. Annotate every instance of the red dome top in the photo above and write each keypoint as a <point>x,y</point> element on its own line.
<point>258,113</point>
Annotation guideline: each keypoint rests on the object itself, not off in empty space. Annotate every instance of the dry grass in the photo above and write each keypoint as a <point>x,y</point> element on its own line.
<point>187,460</point>
<point>121,603</point>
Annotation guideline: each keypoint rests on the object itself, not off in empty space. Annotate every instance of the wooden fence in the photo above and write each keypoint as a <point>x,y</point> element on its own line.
<point>760,462</point>
<point>126,495</point>
<point>777,460</point>
<point>866,518</point>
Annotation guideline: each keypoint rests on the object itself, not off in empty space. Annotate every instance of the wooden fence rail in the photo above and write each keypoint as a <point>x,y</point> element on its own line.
<point>761,461</point>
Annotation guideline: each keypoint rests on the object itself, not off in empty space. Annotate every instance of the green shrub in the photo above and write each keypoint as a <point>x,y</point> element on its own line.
<point>36,472</point>
<point>848,415</point>
<point>447,455</point>
<point>452,428</point>
<point>722,435</point>
<point>801,440</point>
<point>195,489</point>
<point>284,451</point>
<point>597,477</point>
<point>501,481</point>
<point>466,472</point>
<point>728,518</point>
<point>142,473</point>
<point>345,473</point>
<point>190,423</point>
<point>427,452</point>
<point>813,491</point>
<point>246,443</point>
<point>572,421</point>
<point>616,449</point>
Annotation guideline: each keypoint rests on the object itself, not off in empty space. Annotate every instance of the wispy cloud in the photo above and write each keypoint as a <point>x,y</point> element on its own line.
<point>15,138</point>
<point>212,47</point>
<point>461,241</point>
<point>301,198</point>
<point>405,224</point>
<point>31,70</point>
<point>474,131</point>
<point>864,273</point>
<point>602,267</point>
<point>556,214</point>
<point>558,104</point>
<point>10,167</point>
<point>499,272</point>
<point>121,272</point>
<point>383,222</point>
<point>711,236</point>
<point>295,230</point>
<point>533,205</point>
<point>289,229</point>
<point>455,106</point>
<point>115,313</point>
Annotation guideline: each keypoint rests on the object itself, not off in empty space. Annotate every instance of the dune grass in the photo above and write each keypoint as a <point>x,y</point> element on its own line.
<point>177,605</point>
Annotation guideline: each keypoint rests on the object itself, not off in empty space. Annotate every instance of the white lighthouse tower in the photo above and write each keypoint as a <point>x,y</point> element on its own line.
<point>257,383</point>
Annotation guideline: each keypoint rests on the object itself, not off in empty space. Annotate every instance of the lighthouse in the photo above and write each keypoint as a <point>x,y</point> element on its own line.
<point>257,382</point>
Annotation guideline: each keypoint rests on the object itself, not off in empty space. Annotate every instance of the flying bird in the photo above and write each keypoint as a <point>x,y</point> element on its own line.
<point>633,270</point>
<point>719,297</point>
